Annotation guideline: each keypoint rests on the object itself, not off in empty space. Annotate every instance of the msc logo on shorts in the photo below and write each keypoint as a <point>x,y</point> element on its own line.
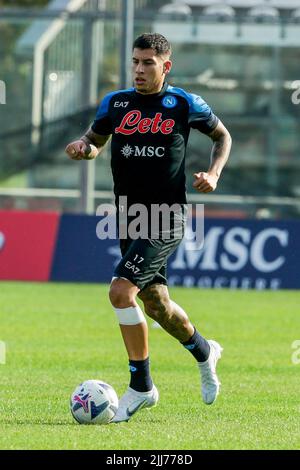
<point>169,101</point>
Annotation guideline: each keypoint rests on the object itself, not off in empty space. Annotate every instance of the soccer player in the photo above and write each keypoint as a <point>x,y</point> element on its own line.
<point>150,125</point>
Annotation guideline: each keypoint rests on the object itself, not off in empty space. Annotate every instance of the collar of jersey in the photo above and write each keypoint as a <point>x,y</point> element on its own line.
<point>153,95</point>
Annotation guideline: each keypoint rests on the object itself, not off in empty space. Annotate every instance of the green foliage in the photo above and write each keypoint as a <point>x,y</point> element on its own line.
<point>60,334</point>
<point>23,3</point>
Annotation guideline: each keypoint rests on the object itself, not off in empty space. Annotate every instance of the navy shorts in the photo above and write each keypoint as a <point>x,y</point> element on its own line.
<point>144,261</point>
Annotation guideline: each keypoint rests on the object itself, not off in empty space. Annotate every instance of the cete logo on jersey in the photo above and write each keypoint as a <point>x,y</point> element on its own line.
<point>145,151</point>
<point>121,104</point>
<point>169,101</point>
<point>132,122</point>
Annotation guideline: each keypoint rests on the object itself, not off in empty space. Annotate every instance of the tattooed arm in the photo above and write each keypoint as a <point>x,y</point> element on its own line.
<point>206,182</point>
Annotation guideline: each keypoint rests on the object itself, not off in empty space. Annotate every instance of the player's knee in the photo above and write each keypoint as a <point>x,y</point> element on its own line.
<point>121,295</point>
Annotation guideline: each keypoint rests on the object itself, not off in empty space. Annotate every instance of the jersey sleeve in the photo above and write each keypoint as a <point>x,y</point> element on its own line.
<point>201,116</point>
<point>102,124</point>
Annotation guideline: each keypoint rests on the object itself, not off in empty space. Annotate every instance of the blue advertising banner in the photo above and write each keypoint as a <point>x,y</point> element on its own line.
<point>246,254</point>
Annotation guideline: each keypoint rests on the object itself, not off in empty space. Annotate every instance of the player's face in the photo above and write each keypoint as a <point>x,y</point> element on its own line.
<point>149,70</point>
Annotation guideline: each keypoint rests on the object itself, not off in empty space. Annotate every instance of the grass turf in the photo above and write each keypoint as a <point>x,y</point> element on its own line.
<point>58,335</point>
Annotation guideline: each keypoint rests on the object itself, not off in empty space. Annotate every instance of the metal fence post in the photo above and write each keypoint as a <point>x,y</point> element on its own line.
<point>87,171</point>
<point>87,186</point>
<point>126,42</point>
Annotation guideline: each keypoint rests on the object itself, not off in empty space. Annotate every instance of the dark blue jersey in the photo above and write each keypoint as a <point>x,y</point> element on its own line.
<point>149,139</point>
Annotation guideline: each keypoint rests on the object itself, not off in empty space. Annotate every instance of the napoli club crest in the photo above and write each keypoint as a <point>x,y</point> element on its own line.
<point>169,101</point>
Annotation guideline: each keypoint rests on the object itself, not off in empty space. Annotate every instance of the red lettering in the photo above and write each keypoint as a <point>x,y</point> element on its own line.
<point>156,121</point>
<point>144,125</point>
<point>167,126</point>
<point>132,123</point>
<point>131,118</point>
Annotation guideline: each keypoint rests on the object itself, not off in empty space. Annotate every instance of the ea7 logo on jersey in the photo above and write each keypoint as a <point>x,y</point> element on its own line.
<point>132,122</point>
<point>121,104</point>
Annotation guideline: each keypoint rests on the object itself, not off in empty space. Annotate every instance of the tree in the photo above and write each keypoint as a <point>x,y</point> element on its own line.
<point>23,3</point>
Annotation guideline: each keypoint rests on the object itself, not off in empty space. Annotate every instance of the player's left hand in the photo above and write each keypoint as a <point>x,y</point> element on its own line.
<point>204,182</point>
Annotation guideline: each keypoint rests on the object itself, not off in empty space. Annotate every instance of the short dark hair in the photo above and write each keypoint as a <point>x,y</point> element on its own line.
<point>154,41</point>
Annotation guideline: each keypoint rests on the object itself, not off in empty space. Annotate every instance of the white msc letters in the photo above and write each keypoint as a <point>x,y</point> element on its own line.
<point>237,250</point>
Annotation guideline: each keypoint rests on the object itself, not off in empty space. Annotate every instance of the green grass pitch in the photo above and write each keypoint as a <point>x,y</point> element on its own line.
<point>57,335</point>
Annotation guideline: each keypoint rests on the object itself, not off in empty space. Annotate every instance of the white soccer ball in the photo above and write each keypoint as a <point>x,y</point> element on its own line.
<point>94,402</point>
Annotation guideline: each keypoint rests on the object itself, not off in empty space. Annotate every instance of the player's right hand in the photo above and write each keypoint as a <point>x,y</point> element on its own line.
<point>78,150</point>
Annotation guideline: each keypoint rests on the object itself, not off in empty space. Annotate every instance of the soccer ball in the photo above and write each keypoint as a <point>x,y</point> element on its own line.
<point>94,402</point>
